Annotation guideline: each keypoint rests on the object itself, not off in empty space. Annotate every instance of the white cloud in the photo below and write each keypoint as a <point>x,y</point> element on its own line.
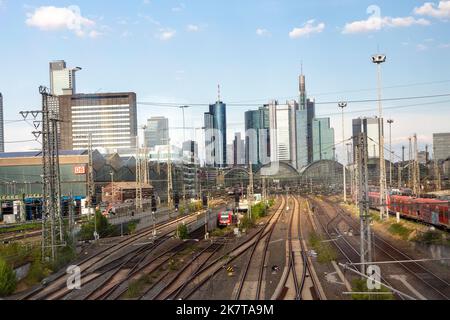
<point>377,23</point>
<point>441,11</point>
<point>193,28</point>
<point>66,18</point>
<point>307,29</point>
<point>166,34</point>
<point>262,32</point>
<point>444,46</point>
<point>421,47</point>
<point>179,8</point>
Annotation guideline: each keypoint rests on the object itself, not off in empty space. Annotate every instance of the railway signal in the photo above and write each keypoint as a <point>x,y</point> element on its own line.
<point>176,200</point>
<point>154,204</point>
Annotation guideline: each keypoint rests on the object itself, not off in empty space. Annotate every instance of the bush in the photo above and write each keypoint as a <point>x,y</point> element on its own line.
<point>360,285</point>
<point>246,223</point>
<point>182,232</point>
<point>8,281</point>
<point>325,251</point>
<point>399,229</point>
<point>104,228</point>
<point>259,211</point>
<point>430,237</point>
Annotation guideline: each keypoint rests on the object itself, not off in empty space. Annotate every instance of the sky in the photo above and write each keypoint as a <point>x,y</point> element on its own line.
<point>179,51</point>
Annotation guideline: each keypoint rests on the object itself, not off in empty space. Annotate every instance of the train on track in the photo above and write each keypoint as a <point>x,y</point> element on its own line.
<point>431,211</point>
<point>226,218</point>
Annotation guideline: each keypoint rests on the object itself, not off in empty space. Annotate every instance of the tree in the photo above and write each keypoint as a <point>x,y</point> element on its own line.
<point>8,281</point>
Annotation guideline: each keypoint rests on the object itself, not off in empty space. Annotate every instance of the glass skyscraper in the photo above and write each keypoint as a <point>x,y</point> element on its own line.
<point>323,140</point>
<point>216,135</point>
<point>157,132</point>
<point>257,137</point>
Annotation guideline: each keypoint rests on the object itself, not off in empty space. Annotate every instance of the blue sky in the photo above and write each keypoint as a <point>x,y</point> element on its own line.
<point>178,51</point>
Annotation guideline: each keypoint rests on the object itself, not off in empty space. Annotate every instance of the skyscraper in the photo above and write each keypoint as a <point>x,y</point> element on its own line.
<point>157,132</point>
<point>441,146</point>
<point>311,115</point>
<point>111,118</point>
<point>257,136</point>
<point>308,108</point>
<point>302,138</point>
<point>62,79</point>
<point>216,134</point>
<point>283,132</point>
<point>323,140</point>
<point>238,150</point>
<point>2,132</point>
<point>370,127</point>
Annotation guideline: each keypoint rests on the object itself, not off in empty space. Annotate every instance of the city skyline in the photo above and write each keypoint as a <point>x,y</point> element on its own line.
<point>248,77</point>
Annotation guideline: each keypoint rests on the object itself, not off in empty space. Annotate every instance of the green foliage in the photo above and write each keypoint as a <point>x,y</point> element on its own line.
<point>432,237</point>
<point>222,232</point>
<point>271,203</point>
<point>325,251</point>
<point>182,232</point>
<point>136,287</point>
<point>360,285</point>
<point>259,211</point>
<point>104,228</point>
<point>400,230</point>
<point>246,223</point>
<point>23,227</point>
<point>8,280</point>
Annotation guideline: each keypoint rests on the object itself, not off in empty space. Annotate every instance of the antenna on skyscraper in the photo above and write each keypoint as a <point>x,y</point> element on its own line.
<point>218,92</point>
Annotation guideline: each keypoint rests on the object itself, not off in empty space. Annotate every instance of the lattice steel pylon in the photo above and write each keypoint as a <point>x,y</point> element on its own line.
<point>416,173</point>
<point>363,197</point>
<point>52,230</point>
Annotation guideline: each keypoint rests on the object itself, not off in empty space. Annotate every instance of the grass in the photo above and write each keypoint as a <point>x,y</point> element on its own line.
<point>182,232</point>
<point>400,230</point>
<point>325,251</point>
<point>23,227</point>
<point>360,285</point>
<point>136,287</point>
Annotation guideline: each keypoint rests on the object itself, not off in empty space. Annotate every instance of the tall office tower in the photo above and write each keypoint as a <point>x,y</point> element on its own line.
<point>257,136</point>
<point>302,90</point>
<point>323,140</point>
<point>216,134</point>
<point>311,115</point>
<point>302,138</point>
<point>230,155</point>
<point>111,118</point>
<point>283,132</point>
<point>441,146</point>
<point>2,130</point>
<point>238,150</point>
<point>62,79</point>
<point>370,127</point>
<point>157,132</point>
<point>190,162</point>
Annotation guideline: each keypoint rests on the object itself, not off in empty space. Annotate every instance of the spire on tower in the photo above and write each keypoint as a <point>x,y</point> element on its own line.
<point>218,92</point>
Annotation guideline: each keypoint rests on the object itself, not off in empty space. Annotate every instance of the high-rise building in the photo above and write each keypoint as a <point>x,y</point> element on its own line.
<point>111,118</point>
<point>441,146</point>
<point>190,163</point>
<point>157,132</point>
<point>370,127</point>
<point>62,79</point>
<point>283,132</point>
<point>311,115</point>
<point>323,140</point>
<point>257,136</point>
<point>302,138</point>
<point>216,134</point>
<point>2,130</point>
<point>230,154</point>
<point>238,150</point>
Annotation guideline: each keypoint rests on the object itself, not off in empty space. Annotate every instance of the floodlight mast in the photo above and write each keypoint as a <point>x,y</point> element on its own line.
<point>379,59</point>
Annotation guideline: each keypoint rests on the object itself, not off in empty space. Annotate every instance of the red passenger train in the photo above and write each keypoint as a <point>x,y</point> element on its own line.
<point>226,218</point>
<point>431,211</point>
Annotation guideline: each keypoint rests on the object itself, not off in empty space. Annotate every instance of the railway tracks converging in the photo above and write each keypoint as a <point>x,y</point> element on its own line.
<point>209,270</point>
<point>109,258</point>
<point>437,288</point>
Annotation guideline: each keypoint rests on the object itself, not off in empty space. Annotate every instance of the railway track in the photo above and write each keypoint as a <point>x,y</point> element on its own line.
<point>207,273</point>
<point>298,263</point>
<point>257,261</point>
<point>433,281</point>
<point>89,265</point>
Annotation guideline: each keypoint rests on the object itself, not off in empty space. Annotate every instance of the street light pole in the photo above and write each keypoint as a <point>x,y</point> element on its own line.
<point>343,105</point>
<point>378,59</point>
